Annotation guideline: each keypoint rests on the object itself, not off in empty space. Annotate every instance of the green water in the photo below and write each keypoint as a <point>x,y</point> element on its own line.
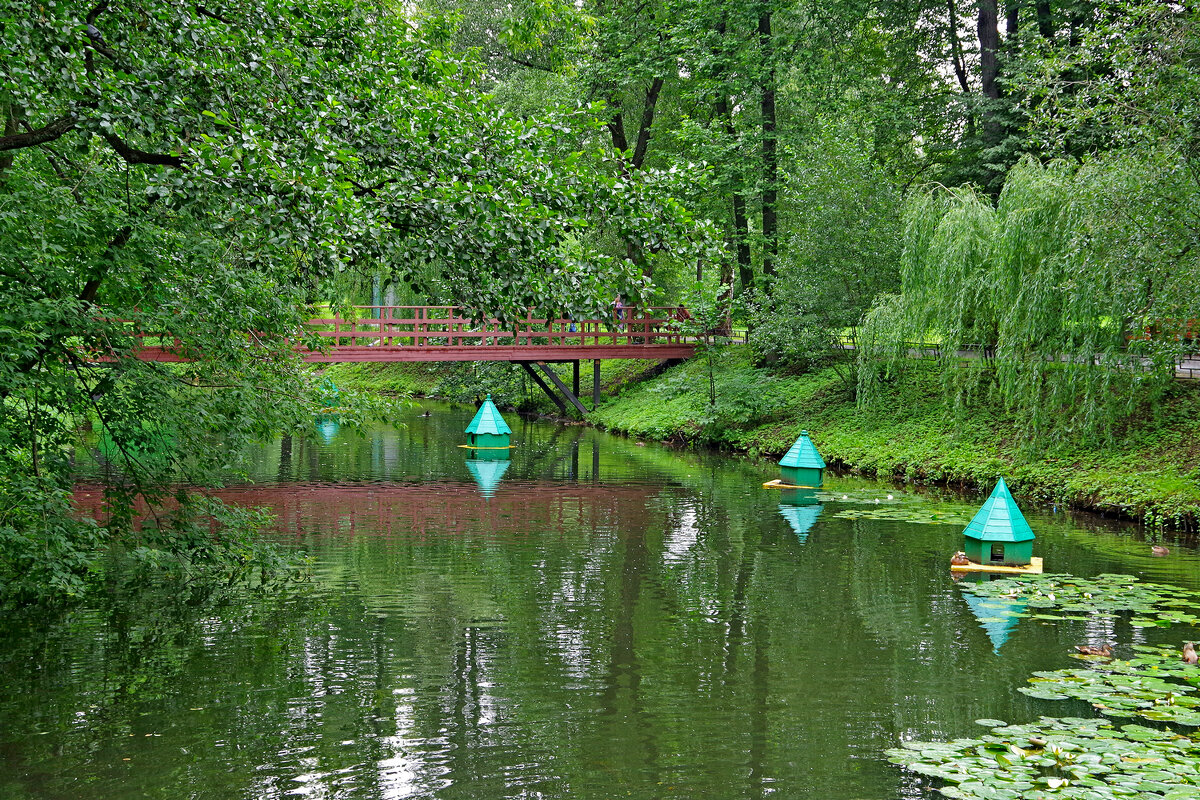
<point>614,621</point>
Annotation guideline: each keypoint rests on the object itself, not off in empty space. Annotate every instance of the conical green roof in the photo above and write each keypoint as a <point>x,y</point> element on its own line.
<point>488,420</point>
<point>487,474</point>
<point>999,520</point>
<point>803,455</point>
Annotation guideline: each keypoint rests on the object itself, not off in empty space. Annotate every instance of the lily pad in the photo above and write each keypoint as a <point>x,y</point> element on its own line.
<point>1073,758</point>
<point>1085,759</point>
<point>921,517</point>
<point>1105,595</point>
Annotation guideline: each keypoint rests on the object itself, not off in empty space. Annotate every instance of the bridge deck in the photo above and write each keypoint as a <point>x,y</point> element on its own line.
<point>442,333</point>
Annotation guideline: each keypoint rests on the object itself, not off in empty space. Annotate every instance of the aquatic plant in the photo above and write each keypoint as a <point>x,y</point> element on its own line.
<point>1147,686</point>
<point>920,516</point>
<point>1075,758</point>
<point>1071,758</point>
<point>1103,595</point>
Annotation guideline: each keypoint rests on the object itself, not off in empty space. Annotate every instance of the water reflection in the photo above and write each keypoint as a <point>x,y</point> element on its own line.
<point>997,616</point>
<point>487,473</point>
<point>801,509</point>
<point>612,621</point>
<point>327,429</point>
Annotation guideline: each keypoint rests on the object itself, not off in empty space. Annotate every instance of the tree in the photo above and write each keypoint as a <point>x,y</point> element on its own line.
<point>205,173</point>
<point>1061,289</point>
<point>841,254</point>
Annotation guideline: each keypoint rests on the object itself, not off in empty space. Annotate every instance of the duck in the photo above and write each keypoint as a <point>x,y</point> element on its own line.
<point>1095,650</point>
<point>1159,550</point>
<point>1189,653</point>
<point>959,559</point>
<point>427,414</point>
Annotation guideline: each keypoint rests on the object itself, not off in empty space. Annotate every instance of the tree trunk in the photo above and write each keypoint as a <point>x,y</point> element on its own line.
<point>741,224</point>
<point>10,129</point>
<point>989,42</point>
<point>1044,19</point>
<point>770,159</point>
<point>956,52</point>
<point>726,327</point>
<point>1012,29</point>
<point>643,140</point>
<point>616,129</point>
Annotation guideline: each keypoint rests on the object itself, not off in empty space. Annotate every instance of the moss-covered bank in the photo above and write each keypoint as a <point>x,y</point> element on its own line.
<point>1152,471</point>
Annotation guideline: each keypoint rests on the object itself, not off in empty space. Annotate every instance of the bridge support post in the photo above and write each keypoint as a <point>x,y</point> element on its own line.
<point>538,380</point>
<point>575,377</point>
<point>562,387</point>
<point>595,383</point>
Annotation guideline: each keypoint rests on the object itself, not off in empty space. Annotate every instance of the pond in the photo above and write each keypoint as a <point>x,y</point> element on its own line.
<point>594,618</point>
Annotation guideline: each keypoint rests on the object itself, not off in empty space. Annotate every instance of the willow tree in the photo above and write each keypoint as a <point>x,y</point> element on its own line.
<point>1068,301</point>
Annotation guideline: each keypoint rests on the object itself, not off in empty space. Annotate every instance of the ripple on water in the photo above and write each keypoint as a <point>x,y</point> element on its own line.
<point>608,621</point>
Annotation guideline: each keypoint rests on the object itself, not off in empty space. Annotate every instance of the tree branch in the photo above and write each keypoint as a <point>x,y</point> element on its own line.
<point>95,13</point>
<point>122,237</point>
<point>643,140</point>
<point>362,191</point>
<point>95,37</point>
<point>47,133</point>
<point>204,12</point>
<point>525,63</point>
<point>132,155</point>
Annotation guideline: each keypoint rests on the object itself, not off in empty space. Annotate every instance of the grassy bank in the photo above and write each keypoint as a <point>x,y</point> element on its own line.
<point>1152,471</point>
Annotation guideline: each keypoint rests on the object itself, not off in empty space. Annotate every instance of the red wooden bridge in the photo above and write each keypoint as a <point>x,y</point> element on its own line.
<point>444,333</point>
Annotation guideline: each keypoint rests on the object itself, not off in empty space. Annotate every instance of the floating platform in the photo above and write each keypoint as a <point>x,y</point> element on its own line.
<point>779,484</point>
<point>477,447</point>
<point>1034,568</point>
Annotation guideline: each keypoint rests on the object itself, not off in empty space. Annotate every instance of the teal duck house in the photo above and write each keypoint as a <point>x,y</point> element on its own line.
<point>802,465</point>
<point>998,535</point>
<point>488,429</point>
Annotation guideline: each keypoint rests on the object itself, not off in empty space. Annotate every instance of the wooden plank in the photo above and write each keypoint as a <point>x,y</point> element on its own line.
<point>779,484</point>
<point>1034,568</point>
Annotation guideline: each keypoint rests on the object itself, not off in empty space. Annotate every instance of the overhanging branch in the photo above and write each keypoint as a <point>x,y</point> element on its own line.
<point>47,133</point>
<point>132,155</point>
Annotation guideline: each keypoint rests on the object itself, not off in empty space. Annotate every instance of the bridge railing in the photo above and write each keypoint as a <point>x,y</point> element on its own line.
<point>436,326</point>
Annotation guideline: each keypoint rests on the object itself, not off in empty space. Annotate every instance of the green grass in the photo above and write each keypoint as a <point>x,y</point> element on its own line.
<point>1152,470</point>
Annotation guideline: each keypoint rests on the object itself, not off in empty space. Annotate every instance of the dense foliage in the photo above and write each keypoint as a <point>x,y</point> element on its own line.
<point>1067,298</point>
<point>205,174</point>
<point>1047,151</point>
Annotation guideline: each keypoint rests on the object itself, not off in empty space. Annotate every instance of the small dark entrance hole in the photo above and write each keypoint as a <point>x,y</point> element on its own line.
<point>997,552</point>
